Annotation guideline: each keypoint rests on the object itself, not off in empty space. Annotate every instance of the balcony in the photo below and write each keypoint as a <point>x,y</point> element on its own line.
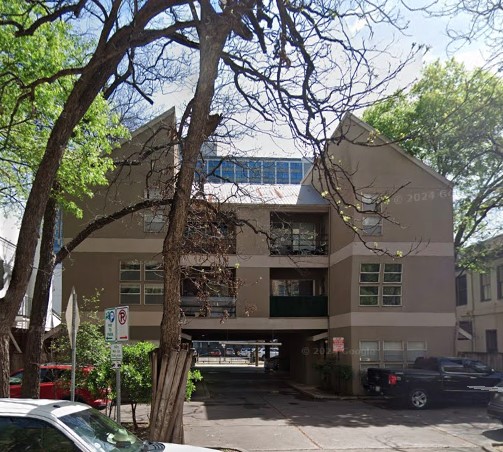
<point>298,306</point>
<point>217,307</point>
<point>300,244</point>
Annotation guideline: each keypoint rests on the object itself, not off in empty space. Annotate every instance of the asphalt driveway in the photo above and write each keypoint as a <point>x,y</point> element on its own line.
<point>247,409</point>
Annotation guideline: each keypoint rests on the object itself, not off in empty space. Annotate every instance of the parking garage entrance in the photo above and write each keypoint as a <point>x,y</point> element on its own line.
<point>225,353</point>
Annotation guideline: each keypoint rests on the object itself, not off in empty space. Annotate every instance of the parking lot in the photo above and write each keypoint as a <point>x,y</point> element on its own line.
<point>242,407</point>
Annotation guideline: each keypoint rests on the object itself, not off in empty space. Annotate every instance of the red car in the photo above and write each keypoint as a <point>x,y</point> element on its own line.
<point>54,384</point>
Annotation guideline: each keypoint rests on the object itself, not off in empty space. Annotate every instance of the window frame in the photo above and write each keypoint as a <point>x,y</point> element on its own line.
<point>380,283</point>
<point>131,285</point>
<point>123,271</point>
<point>147,272</point>
<point>499,281</point>
<point>461,290</point>
<point>485,286</point>
<point>491,334</point>
<point>409,350</point>
<point>372,223</point>
<point>147,287</point>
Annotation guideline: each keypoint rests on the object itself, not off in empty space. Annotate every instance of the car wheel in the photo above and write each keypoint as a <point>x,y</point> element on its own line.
<point>418,399</point>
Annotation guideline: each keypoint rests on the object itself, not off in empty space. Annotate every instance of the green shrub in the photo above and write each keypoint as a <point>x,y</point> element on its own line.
<point>193,377</point>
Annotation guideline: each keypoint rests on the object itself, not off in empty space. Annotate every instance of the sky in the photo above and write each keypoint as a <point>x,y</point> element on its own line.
<point>420,30</point>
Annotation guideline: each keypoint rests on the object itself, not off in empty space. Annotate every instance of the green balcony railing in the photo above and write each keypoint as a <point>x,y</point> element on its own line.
<point>301,306</point>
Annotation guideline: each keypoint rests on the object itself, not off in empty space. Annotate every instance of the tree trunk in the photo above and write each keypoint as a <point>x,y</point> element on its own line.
<point>170,382</point>
<point>102,65</point>
<point>167,407</point>
<point>33,349</point>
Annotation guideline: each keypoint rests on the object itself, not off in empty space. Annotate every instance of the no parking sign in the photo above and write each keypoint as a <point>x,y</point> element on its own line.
<point>117,324</point>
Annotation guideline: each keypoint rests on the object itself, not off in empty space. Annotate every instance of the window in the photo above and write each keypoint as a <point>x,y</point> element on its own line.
<point>295,172</point>
<point>390,353</point>
<point>154,271</point>
<point>228,171</point>
<point>371,221</point>
<point>369,295</point>
<point>268,172</point>
<point>130,271</point>
<point>292,287</point>
<point>283,174</point>
<point>369,350</point>
<point>204,283</point>
<point>461,291</point>
<point>491,341</point>
<point>391,296</point>
<point>255,169</point>
<point>241,173</point>
<point>24,433</point>
<point>380,283</point>
<point>295,238</point>
<point>485,286</point>
<point>372,225</point>
<point>369,273</point>
<point>499,281</point>
<point>130,294</point>
<point>214,171</point>
<point>415,349</point>
<point>154,293</point>
<point>154,221</point>
<point>393,351</point>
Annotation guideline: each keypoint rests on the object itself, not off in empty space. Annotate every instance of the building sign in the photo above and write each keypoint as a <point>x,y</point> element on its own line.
<point>337,344</point>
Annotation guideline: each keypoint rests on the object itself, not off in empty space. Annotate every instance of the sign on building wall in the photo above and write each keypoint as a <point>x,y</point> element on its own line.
<point>337,344</point>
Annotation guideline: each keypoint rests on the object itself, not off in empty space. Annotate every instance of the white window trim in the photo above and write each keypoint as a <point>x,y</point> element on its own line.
<point>381,285</point>
<point>382,362</point>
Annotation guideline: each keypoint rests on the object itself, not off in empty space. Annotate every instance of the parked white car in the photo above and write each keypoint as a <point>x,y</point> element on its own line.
<point>64,426</point>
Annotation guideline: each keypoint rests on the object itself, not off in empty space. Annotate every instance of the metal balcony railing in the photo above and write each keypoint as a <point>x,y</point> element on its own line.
<point>216,307</point>
<point>300,244</point>
<point>298,306</point>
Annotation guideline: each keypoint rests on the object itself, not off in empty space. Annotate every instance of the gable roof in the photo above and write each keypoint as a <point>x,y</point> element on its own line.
<point>153,122</point>
<point>349,118</point>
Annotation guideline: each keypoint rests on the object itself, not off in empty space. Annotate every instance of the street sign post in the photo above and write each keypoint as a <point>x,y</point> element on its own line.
<point>117,330</point>
<point>73,321</point>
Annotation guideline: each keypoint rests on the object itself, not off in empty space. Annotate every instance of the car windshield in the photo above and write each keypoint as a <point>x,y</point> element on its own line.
<point>101,433</point>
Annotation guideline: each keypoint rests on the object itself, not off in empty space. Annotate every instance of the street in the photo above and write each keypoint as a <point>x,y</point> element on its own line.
<point>242,407</point>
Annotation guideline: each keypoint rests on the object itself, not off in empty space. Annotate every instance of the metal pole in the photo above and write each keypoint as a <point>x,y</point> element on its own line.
<point>118,392</point>
<point>74,344</point>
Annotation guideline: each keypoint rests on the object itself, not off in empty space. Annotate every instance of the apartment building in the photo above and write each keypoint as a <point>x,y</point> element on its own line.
<point>9,232</point>
<point>479,304</point>
<point>303,277</point>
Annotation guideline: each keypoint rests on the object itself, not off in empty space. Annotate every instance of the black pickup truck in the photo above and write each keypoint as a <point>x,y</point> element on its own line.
<point>433,379</point>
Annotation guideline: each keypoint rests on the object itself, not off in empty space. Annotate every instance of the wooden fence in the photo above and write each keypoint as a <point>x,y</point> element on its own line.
<point>495,360</point>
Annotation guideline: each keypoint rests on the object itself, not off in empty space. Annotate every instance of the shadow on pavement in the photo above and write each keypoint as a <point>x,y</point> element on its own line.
<point>237,394</point>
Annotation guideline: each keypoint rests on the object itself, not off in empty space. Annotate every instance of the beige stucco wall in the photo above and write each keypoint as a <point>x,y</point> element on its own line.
<point>484,315</point>
<point>254,292</point>
<point>439,342</point>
